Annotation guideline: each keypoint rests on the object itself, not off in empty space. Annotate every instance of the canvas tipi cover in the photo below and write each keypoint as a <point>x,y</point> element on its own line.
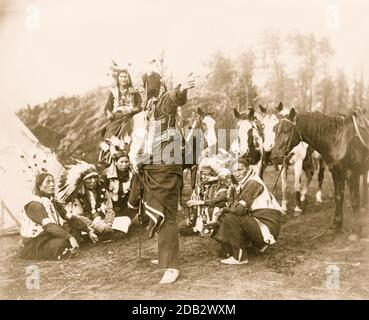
<point>21,158</point>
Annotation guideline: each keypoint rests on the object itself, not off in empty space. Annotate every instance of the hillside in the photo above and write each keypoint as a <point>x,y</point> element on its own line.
<point>71,126</point>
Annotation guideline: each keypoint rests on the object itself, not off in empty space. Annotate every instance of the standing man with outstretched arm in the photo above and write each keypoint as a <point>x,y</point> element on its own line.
<point>161,173</point>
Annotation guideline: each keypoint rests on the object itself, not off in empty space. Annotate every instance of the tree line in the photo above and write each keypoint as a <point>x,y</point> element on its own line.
<point>294,68</point>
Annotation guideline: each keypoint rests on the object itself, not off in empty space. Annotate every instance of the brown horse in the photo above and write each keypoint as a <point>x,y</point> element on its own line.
<point>346,154</point>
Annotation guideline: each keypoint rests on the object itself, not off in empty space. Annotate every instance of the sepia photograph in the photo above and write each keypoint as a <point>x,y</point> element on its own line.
<point>201,150</point>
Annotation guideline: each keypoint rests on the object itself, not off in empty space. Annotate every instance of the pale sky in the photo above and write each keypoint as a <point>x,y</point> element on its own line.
<point>51,47</point>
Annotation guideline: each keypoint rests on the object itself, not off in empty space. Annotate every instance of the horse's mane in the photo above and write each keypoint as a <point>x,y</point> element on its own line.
<point>320,124</point>
<point>331,127</point>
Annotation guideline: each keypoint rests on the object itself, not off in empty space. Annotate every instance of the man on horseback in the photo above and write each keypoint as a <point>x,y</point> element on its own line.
<point>161,168</point>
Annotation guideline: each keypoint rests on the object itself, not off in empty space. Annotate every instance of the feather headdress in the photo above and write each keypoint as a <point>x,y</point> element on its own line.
<point>115,70</point>
<point>71,181</point>
<point>110,147</point>
<point>219,163</point>
<point>210,163</point>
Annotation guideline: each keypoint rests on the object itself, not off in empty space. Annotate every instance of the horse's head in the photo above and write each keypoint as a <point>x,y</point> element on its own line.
<point>207,123</point>
<point>249,137</point>
<point>286,137</point>
<point>270,121</point>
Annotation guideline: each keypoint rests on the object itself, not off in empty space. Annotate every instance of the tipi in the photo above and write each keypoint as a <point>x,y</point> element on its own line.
<point>21,158</point>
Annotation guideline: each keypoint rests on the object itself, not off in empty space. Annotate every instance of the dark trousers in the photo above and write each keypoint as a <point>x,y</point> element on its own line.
<point>43,247</point>
<point>168,244</point>
<point>240,232</point>
<point>160,185</point>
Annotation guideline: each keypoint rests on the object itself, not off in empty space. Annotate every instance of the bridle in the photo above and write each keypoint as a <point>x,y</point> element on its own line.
<point>286,155</point>
<point>291,135</point>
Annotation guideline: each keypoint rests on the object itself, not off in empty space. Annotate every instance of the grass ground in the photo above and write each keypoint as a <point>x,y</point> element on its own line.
<point>297,267</point>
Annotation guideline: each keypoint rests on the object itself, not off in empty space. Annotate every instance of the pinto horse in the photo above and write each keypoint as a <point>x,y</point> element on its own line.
<point>249,145</point>
<point>302,157</point>
<point>337,139</point>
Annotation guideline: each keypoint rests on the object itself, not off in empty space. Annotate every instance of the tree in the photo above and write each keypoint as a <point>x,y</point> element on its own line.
<point>342,93</point>
<point>222,74</point>
<point>245,90</point>
<point>313,56</point>
<point>325,91</point>
<point>272,49</point>
<point>357,97</point>
<point>220,82</point>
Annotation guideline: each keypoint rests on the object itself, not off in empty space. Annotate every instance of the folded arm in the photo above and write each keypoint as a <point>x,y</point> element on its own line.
<point>74,221</point>
<point>37,213</point>
<point>251,191</point>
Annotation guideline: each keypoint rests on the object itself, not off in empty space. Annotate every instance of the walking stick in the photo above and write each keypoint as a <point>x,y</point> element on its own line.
<point>140,234</point>
<point>279,174</point>
<point>284,164</point>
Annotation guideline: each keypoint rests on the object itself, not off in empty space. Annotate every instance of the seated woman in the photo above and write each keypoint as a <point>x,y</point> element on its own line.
<point>254,218</point>
<point>206,202</point>
<point>47,231</point>
<point>118,179</point>
<point>123,103</point>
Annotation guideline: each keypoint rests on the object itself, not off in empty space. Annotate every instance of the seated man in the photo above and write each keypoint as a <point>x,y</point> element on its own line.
<point>47,231</point>
<point>205,203</point>
<point>85,196</point>
<point>254,218</point>
<point>118,179</point>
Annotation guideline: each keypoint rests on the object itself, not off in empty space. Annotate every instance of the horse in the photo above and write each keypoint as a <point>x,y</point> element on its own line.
<point>249,145</point>
<point>302,157</point>
<point>338,140</point>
